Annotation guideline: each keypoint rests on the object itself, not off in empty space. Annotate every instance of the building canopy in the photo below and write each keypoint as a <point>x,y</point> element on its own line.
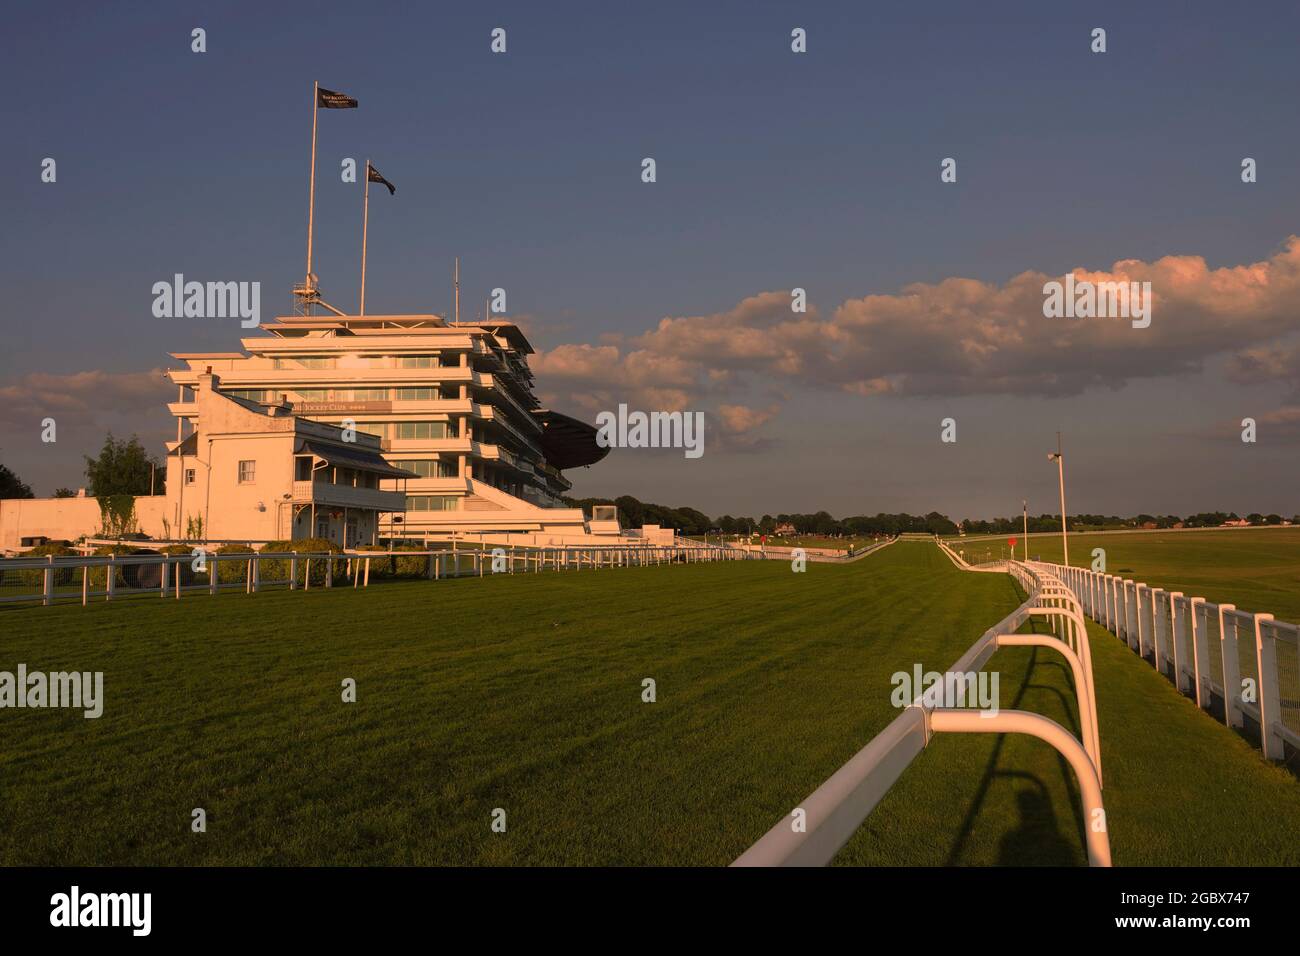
<point>358,458</point>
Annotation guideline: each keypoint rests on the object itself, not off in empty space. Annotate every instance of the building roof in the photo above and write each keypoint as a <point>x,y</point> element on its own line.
<point>567,442</point>
<point>359,458</point>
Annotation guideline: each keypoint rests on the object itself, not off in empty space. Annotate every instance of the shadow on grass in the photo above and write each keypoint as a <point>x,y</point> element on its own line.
<point>1037,840</point>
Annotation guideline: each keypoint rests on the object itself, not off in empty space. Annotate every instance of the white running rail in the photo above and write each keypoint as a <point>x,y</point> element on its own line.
<point>1242,664</point>
<point>52,579</point>
<point>835,810</point>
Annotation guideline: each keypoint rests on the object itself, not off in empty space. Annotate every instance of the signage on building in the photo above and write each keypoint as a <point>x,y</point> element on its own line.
<point>307,407</point>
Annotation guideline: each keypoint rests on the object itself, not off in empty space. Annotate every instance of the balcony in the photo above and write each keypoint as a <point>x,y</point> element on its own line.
<point>462,446</point>
<point>346,496</point>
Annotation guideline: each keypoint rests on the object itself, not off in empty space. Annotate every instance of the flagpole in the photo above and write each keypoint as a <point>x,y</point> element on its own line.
<point>365,222</point>
<point>311,200</point>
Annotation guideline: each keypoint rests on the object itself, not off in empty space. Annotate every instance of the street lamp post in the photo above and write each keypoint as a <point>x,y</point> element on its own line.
<point>1059,457</point>
<point>1024,510</point>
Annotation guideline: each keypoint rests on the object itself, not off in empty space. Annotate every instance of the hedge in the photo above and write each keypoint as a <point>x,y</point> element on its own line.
<point>99,575</point>
<point>35,579</point>
<point>188,574</point>
<point>392,566</point>
<point>233,572</point>
<point>277,569</point>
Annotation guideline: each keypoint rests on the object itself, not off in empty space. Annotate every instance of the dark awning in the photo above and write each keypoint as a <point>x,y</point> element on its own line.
<point>567,442</point>
<point>359,458</point>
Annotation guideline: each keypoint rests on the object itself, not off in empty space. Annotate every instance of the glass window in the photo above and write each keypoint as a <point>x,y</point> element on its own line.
<point>429,467</point>
<point>418,395</point>
<point>189,476</point>
<point>247,471</point>
<point>409,430</point>
<point>417,361</point>
<point>431,502</point>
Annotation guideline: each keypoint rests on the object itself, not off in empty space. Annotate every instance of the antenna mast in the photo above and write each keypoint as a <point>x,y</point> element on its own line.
<point>457,280</point>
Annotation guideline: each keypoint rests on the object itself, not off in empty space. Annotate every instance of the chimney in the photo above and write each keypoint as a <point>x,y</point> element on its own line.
<point>207,381</point>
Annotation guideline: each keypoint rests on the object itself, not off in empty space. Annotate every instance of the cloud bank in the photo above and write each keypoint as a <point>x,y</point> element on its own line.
<point>958,337</point>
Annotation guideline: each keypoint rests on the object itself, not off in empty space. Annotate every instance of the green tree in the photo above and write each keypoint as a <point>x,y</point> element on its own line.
<point>122,468</point>
<point>64,493</point>
<point>11,486</point>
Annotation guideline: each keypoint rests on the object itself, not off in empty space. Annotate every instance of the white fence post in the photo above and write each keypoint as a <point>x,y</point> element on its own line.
<point>1200,653</point>
<point>1232,716</point>
<point>1131,615</point>
<point>1177,633</point>
<point>1270,690</point>
<point>1143,618</point>
<point>1159,603</point>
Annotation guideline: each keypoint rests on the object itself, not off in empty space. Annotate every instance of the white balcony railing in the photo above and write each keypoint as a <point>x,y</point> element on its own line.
<point>320,492</point>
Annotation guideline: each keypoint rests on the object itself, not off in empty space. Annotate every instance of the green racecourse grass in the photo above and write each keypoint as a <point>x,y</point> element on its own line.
<point>1258,569</point>
<point>524,693</point>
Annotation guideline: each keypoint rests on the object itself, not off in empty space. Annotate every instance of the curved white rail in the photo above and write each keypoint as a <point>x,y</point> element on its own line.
<point>1036,725</point>
<point>834,811</point>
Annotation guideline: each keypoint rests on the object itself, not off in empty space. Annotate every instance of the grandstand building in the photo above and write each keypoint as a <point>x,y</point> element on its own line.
<point>452,405</point>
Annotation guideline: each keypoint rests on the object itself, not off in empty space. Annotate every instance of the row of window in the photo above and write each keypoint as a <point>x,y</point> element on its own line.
<point>407,430</point>
<point>451,360</point>
<point>430,503</point>
<point>424,467</point>
<point>429,467</point>
<point>422,394</point>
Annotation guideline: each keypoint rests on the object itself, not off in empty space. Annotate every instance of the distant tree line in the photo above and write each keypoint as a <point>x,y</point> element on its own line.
<point>632,513</point>
<point>1087,522</point>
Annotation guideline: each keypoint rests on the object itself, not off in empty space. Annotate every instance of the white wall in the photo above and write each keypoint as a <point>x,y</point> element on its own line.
<point>68,518</point>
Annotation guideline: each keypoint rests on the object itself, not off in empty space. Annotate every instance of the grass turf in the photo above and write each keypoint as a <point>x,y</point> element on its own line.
<point>524,693</point>
<point>1258,569</point>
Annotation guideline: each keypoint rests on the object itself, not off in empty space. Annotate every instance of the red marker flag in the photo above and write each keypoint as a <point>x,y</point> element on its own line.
<point>1012,542</point>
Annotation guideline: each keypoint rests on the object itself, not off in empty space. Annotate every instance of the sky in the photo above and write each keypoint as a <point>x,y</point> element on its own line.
<point>775,170</point>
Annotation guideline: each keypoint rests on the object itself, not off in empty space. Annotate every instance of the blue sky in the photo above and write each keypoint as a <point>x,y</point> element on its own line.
<point>774,170</point>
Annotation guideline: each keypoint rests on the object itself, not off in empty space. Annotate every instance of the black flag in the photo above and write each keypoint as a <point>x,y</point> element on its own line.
<point>329,100</point>
<point>372,174</point>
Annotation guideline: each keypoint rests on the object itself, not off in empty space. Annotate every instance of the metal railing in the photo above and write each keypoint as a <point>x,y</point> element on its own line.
<point>53,579</point>
<point>825,820</point>
<point>1246,665</point>
<point>782,552</point>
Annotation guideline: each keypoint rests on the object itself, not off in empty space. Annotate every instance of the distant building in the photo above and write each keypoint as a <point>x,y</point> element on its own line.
<point>253,472</point>
<point>452,404</point>
<point>783,529</point>
<point>355,428</point>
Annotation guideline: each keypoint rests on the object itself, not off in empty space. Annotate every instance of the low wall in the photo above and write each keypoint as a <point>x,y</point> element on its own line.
<point>68,518</point>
